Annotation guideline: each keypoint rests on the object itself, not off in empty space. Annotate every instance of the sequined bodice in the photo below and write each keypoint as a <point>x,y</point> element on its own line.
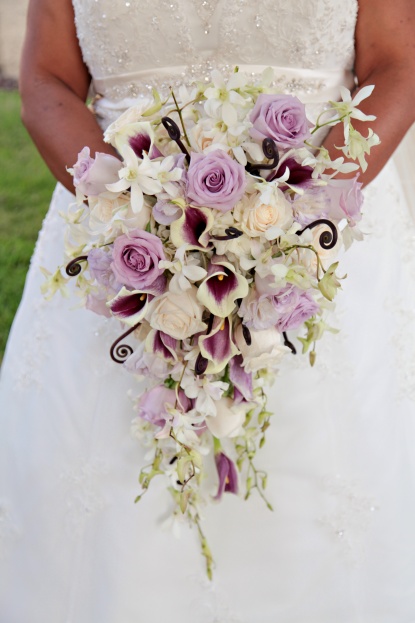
<point>130,44</point>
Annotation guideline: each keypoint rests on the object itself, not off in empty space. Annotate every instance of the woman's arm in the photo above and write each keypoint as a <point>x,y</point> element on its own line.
<point>54,83</point>
<point>385,57</point>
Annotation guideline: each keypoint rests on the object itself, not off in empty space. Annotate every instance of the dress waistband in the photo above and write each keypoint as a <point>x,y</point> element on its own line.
<point>311,83</point>
<point>313,87</point>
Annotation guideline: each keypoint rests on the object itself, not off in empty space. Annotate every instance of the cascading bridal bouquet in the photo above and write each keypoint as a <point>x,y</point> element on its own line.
<point>213,238</point>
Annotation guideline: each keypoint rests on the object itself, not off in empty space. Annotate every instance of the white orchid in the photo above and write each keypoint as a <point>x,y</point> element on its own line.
<point>223,98</point>
<point>139,175</point>
<point>348,106</point>
<point>357,146</point>
<point>185,269</point>
<point>322,161</point>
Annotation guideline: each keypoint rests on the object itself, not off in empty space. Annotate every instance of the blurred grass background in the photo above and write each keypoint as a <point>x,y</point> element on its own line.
<point>25,191</point>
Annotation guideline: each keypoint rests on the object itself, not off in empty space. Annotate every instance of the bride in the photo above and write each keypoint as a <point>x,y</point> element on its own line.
<point>339,546</point>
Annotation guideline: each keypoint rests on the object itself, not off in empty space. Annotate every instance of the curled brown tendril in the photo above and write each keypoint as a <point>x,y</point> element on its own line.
<point>231,233</point>
<point>173,131</point>
<point>289,344</point>
<point>74,267</point>
<point>270,152</point>
<point>120,352</point>
<point>328,239</point>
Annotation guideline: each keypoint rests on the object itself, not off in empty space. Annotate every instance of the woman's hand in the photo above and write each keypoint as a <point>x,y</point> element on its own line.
<point>54,83</point>
<point>385,57</point>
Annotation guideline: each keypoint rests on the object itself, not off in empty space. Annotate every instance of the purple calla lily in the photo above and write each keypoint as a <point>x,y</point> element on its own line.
<point>300,176</point>
<point>192,228</point>
<point>129,306</point>
<point>241,379</point>
<point>162,344</point>
<point>217,346</point>
<point>222,287</point>
<point>141,143</point>
<point>228,476</point>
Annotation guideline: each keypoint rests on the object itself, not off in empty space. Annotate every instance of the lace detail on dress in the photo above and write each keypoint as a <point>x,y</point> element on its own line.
<point>349,518</point>
<point>9,530</point>
<point>28,372</point>
<point>314,34</point>
<point>34,351</point>
<point>84,497</point>
<point>403,339</point>
<point>403,309</point>
<point>210,602</point>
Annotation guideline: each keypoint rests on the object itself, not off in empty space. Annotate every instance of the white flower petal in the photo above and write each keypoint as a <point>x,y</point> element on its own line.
<point>363,94</point>
<point>229,114</point>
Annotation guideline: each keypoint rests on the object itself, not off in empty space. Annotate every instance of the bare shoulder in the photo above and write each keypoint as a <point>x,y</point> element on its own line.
<point>385,34</point>
<point>51,46</point>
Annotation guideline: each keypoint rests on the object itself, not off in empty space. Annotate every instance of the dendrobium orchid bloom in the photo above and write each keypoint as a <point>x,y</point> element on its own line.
<point>228,476</point>
<point>222,287</point>
<point>357,146</point>
<point>55,282</point>
<point>184,268</point>
<point>223,95</point>
<point>138,175</point>
<point>347,107</point>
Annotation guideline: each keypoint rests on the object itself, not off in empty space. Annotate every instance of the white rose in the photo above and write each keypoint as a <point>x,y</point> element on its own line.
<point>201,138</point>
<point>262,211</point>
<point>228,419</point>
<point>178,315</point>
<point>265,351</point>
<point>327,256</point>
<point>106,215</point>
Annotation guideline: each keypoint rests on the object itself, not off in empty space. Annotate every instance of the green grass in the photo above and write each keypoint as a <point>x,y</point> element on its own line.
<point>25,190</point>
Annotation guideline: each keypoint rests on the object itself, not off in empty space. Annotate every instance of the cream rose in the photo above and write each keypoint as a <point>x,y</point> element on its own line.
<point>259,212</point>
<point>265,351</point>
<point>178,315</point>
<point>201,138</point>
<point>228,419</point>
<point>106,215</point>
<point>327,256</point>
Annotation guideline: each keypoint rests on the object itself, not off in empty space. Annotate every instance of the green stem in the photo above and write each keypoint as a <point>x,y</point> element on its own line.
<point>322,125</point>
<point>206,553</point>
<point>180,117</point>
<point>310,248</point>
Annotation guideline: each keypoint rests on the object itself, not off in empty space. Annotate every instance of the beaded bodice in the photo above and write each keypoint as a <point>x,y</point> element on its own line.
<point>129,45</point>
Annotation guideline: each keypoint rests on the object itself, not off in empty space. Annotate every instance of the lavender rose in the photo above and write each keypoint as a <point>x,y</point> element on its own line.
<point>280,117</point>
<point>99,264</point>
<point>215,180</point>
<point>90,175</point>
<point>135,261</point>
<point>152,404</point>
<point>295,306</point>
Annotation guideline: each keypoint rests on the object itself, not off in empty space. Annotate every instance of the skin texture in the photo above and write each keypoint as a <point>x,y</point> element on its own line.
<point>385,57</point>
<point>54,83</point>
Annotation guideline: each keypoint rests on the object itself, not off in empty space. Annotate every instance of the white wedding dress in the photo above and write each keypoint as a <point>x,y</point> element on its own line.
<point>339,546</point>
